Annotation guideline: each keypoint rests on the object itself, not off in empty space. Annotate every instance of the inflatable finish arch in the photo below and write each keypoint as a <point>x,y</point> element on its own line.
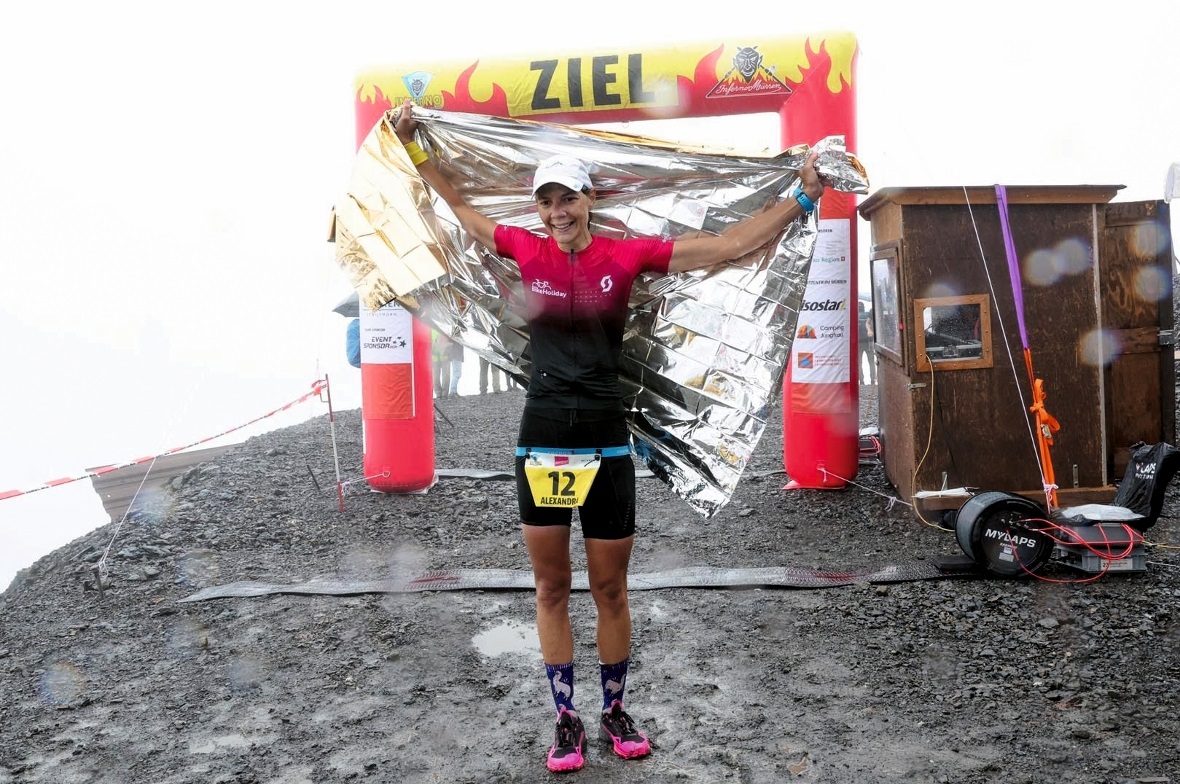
<point>807,80</point>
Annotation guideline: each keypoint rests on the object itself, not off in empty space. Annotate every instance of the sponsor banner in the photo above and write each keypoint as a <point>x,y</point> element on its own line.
<point>387,362</point>
<point>387,336</point>
<point>821,351</point>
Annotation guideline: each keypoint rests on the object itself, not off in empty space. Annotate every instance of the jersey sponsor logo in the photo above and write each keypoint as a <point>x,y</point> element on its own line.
<point>543,287</point>
<point>607,283</point>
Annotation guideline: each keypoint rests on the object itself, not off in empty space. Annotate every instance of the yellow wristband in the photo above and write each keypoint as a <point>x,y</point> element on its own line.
<point>417,155</point>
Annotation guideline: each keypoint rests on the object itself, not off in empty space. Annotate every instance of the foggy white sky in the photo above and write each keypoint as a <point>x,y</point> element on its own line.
<point>166,174</point>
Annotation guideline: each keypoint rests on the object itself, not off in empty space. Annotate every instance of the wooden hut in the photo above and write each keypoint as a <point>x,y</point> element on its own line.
<point>954,393</point>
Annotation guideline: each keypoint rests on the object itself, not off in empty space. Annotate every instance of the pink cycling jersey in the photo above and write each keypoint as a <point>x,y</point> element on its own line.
<point>576,306</point>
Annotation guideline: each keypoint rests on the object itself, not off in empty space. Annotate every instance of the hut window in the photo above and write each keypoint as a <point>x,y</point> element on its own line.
<point>888,321</point>
<point>953,333</point>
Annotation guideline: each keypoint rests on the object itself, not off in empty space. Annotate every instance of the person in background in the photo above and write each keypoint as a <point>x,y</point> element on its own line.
<point>353,342</point>
<point>455,357</point>
<point>485,369</point>
<point>442,364</point>
<point>866,342</point>
<point>577,287</point>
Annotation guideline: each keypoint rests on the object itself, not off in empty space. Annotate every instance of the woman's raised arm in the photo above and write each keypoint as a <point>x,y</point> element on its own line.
<point>750,234</point>
<point>479,226</point>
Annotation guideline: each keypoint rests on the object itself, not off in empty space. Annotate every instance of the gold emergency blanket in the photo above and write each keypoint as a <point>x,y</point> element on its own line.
<point>704,352</point>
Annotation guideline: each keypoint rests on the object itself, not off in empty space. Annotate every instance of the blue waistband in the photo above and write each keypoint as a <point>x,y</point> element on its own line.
<point>610,451</point>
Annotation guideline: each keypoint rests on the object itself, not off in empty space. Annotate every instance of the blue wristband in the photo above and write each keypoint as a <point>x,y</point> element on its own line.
<point>804,201</point>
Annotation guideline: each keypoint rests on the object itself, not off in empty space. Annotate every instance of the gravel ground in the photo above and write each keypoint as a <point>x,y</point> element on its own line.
<point>964,679</point>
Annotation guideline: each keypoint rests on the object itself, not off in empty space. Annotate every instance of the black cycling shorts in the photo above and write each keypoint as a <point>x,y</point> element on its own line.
<point>609,509</point>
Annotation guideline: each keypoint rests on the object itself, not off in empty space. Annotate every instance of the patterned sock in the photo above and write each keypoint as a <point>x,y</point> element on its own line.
<point>614,680</point>
<point>561,683</point>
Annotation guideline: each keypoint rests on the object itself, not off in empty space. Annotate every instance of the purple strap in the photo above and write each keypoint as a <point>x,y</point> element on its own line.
<point>1013,262</point>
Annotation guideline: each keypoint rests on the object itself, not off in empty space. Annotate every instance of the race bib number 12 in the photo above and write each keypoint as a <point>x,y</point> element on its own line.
<point>560,478</point>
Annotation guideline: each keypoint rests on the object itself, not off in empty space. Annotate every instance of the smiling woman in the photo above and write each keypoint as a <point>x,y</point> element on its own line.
<point>573,444</point>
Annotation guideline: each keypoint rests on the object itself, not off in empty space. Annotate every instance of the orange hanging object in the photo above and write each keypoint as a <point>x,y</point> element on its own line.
<point>1047,425</point>
<point>1028,366</point>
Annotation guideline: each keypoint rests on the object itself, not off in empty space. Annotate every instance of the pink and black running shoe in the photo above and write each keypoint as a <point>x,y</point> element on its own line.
<point>569,743</point>
<point>619,730</point>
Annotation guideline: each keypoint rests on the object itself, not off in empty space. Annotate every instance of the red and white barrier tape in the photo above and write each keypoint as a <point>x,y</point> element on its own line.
<point>319,386</point>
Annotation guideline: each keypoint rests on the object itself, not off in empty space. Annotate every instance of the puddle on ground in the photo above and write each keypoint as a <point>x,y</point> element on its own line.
<point>508,637</point>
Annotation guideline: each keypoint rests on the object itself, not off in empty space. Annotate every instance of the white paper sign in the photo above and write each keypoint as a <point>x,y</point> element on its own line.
<point>387,336</point>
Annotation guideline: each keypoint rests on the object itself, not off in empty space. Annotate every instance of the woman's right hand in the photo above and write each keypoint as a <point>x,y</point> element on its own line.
<point>406,126</point>
<point>809,179</point>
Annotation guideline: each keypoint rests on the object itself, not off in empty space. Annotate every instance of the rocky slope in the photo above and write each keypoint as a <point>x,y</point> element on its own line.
<point>961,679</point>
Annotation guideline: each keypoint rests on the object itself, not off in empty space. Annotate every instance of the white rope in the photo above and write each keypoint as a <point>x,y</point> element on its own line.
<point>100,566</point>
<point>347,482</point>
<point>1007,347</point>
<point>891,498</point>
<point>1161,563</point>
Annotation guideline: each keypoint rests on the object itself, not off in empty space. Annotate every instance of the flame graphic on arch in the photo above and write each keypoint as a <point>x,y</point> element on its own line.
<point>462,99</point>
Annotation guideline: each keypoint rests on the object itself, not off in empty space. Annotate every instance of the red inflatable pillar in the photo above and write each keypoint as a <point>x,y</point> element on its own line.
<point>821,399</point>
<point>397,400</point>
<point>397,379</point>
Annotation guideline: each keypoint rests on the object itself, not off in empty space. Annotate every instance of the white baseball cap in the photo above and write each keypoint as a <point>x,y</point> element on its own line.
<point>564,170</point>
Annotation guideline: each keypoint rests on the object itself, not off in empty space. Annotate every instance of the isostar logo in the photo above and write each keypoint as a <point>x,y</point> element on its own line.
<point>543,287</point>
<point>416,83</point>
<point>748,76</point>
<point>824,306</point>
<point>1004,536</point>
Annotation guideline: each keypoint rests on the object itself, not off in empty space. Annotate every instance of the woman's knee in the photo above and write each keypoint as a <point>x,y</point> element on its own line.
<point>552,592</point>
<point>610,593</point>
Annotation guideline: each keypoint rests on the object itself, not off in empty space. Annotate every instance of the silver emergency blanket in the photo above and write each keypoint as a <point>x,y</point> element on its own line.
<point>704,352</point>
<point>517,580</point>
